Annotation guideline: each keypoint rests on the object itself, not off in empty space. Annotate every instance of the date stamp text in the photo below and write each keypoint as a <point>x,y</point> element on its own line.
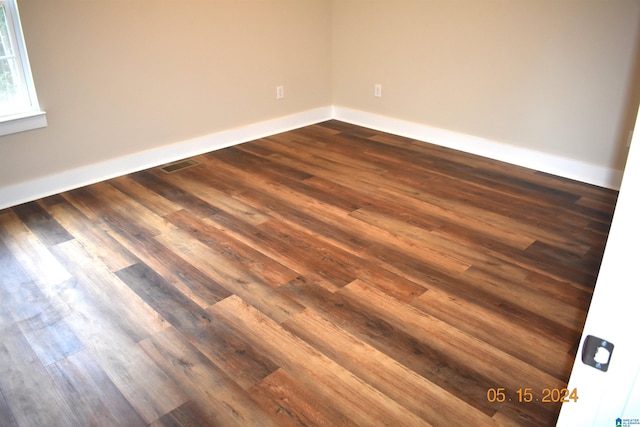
<point>528,395</point>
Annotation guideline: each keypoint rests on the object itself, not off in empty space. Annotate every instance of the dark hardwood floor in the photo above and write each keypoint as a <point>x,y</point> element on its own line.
<point>331,275</point>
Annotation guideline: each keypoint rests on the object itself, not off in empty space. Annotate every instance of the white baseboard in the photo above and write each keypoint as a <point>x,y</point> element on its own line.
<point>544,162</point>
<point>42,187</point>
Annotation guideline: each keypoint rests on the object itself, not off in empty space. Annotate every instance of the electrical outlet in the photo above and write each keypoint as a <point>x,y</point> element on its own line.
<point>279,92</point>
<point>377,90</point>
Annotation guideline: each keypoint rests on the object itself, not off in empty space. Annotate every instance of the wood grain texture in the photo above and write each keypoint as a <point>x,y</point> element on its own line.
<point>330,275</point>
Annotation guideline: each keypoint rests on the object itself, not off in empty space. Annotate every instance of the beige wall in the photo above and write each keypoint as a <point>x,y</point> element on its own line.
<point>122,76</point>
<point>554,76</point>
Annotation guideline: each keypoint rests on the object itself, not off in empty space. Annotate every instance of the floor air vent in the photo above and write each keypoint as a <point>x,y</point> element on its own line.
<point>175,167</point>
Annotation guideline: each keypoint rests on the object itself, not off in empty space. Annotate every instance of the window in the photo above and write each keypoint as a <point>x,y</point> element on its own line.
<point>19,108</point>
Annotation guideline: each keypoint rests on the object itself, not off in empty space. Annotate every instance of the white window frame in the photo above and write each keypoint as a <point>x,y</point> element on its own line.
<point>30,117</point>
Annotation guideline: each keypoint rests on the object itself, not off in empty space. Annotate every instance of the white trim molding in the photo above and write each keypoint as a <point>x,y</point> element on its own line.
<point>543,162</point>
<point>49,185</point>
<point>23,122</point>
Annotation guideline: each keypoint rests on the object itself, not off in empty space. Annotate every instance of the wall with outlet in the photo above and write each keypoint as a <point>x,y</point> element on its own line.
<point>130,78</point>
<point>117,78</point>
<point>553,76</point>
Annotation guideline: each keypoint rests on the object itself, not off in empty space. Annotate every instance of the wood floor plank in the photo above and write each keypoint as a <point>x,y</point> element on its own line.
<point>112,209</point>
<point>425,399</point>
<point>208,232</point>
<point>92,394</point>
<point>523,218</point>
<point>318,219</point>
<point>30,252</point>
<point>413,236</point>
<point>141,194</point>
<point>197,182</point>
<point>235,279</point>
<point>222,401</point>
<point>436,154</point>
<point>41,224</point>
<point>175,307</point>
<point>499,331</point>
<point>507,371</point>
<point>295,405</point>
<point>27,387</point>
<point>94,239</point>
<point>42,324</point>
<point>284,211</point>
<point>314,258</point>
<point>409,199</point>
<point>160,183</point>
<point>351,239</point>
<point>363,403</point>
<point>113,296</point>
<point>548,314</point>
<point>562,290</point>
<point>230,350</point>
<point>242,160</point>
<point>328,275</point>
<point>145,386</point>
<point>462,238</point>
<point>199,287</point>
<point>189,414</point>
<point>6,414</point>
<point>416,353</point>
<point>428,158</point>
<point>50,336</point>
